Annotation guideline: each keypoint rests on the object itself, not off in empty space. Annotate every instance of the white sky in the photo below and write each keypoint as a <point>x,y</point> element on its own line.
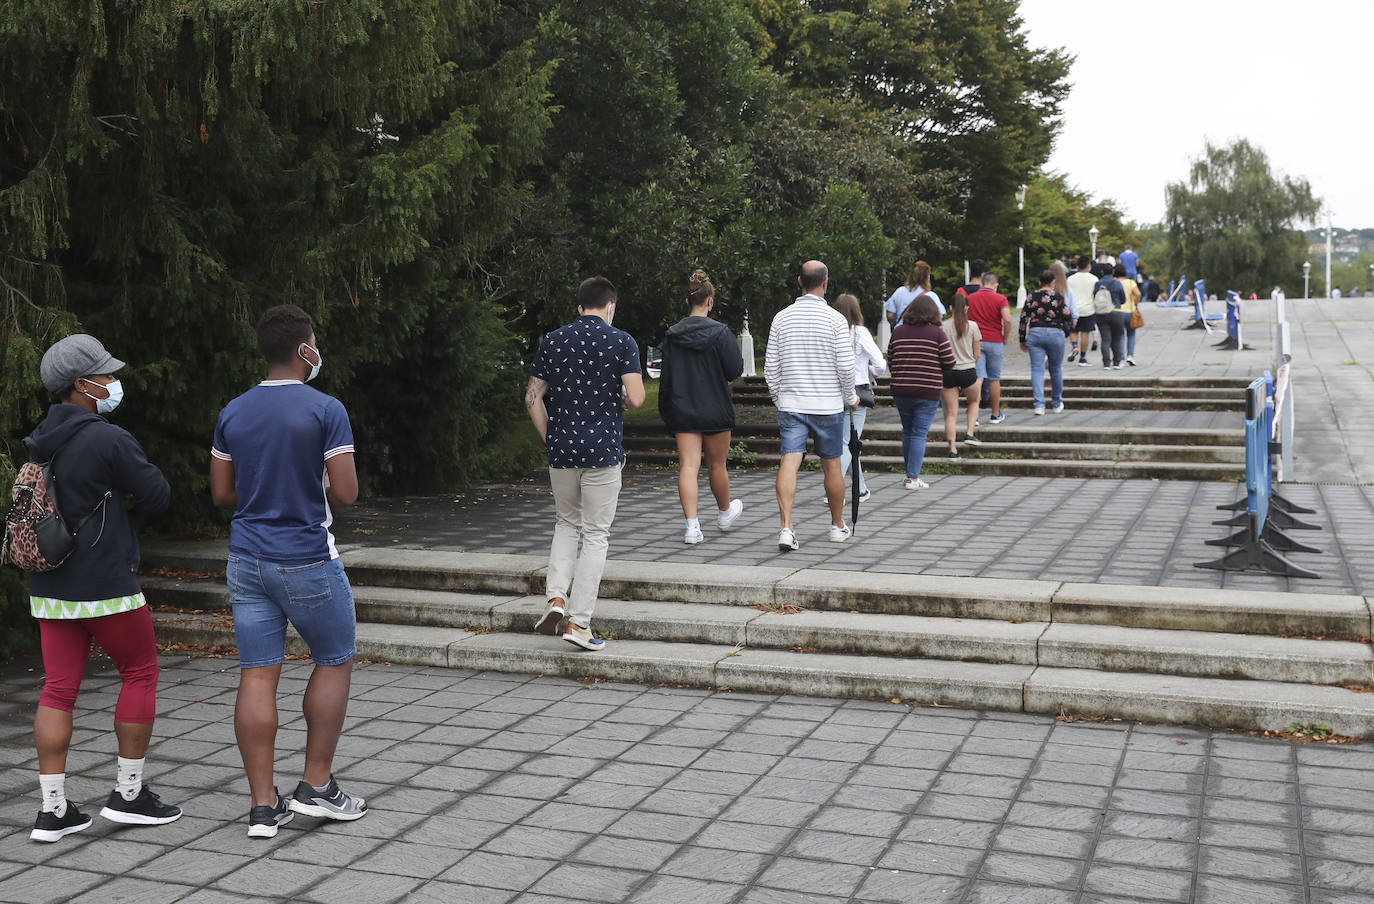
<point>1294,79</point>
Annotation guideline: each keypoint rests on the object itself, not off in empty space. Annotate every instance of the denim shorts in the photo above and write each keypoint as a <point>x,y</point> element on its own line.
<point>316,599</point>
<point>827,429</point>
<point>990,361</point>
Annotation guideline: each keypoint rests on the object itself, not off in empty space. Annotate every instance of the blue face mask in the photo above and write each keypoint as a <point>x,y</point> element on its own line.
<point>315,367</point>
<point>111,402</point>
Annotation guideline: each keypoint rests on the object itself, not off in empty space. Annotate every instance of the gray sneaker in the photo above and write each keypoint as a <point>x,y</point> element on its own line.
<point>331,803</point>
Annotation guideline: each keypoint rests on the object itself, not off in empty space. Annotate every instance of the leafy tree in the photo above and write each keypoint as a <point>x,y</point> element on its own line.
<point>958,82</point>
<point>1232,222</point>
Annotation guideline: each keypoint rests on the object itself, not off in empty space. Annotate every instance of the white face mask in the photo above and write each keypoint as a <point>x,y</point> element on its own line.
<point>315,367</point>
<point>110,402</point>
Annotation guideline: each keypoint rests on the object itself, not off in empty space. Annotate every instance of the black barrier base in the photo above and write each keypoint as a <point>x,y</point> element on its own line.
<point>1195,325</point>
<point>1271,534</point>
<point>1237,506</point>
<point>1285,521</point>
<point>1291,508</point>
<point>1257,554</point>
<point>1230,344</point>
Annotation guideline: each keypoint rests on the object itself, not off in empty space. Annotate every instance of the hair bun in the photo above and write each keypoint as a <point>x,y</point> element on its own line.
<point>699,286</point>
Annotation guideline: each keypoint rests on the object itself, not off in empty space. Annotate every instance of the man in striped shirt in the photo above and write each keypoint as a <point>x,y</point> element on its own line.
<point>809,367</point>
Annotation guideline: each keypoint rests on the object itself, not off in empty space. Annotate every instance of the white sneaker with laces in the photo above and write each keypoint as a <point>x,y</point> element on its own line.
<point>727,517</point>
<point>915,483</point>
<point>1039,410</point>
<point>864,496</point>
<point>692,536</point>
<point>787,540</point>
<point>1058,408</point>
<point>839,533</point>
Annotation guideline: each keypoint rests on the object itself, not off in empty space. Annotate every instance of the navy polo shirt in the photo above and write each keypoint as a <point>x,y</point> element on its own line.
<point>583,363</point>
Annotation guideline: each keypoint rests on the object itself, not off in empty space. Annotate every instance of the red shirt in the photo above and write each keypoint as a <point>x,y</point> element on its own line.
<point>985,308</point>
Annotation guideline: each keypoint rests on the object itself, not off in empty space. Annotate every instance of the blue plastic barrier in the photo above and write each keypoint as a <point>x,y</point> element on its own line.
<point>1259,544</point>
<point>1233,339</point>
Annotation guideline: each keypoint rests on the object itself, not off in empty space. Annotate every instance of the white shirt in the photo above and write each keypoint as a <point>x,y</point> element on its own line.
<point>809,364</point>
<point>868,361</point>
<point>1081,284</point>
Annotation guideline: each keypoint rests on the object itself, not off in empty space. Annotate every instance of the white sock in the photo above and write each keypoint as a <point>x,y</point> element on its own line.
<point>694,524</point>
<point>54,792</point>
<point>129,780</point>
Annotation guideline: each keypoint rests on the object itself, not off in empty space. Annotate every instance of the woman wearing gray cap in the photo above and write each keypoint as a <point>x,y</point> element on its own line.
<point>99,474</point>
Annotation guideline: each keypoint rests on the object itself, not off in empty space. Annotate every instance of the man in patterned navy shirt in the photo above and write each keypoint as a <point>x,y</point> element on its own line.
<point>583,375</point>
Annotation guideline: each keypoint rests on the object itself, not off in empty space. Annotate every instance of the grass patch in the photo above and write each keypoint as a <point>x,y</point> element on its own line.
<point>649,410</point>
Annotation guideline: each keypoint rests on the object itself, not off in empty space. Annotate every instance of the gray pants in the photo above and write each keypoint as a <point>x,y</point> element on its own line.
<point>585,500</point>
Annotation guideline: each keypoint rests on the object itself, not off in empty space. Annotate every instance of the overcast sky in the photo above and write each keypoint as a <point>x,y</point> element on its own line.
<point>1293,78</point>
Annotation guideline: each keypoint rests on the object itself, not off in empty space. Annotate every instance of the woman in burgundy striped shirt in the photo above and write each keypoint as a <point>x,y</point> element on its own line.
<point>918,356</point>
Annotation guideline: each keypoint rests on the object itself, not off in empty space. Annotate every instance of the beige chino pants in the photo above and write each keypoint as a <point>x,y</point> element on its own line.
<point>585,500</point>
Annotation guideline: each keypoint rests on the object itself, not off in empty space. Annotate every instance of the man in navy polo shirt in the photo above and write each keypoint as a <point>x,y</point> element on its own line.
<point>583,375</point>
<point>280,449</point>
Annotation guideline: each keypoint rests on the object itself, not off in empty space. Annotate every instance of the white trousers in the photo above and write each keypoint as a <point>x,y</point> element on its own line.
<point>585,500</point>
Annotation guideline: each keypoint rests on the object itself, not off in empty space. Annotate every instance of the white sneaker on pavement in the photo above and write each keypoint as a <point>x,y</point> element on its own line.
<point>787,540</point>
<point>839,533</point>
<point>727,517</point>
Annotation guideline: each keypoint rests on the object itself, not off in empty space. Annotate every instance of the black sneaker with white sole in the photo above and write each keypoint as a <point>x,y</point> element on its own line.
<point>145,810</point>
<point>264,820</point>
<point>330,803</point>
<point>50,827</point>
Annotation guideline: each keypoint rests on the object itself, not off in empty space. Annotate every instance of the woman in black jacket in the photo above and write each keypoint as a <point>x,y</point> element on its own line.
<point>700,358</point>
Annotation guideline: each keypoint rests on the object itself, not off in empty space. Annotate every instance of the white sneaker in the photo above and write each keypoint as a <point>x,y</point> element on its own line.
<point>692,536</point>
<point>864,496</point>
<point>1058,408</point>
<point>839,534</point>
<point>787,540</point>
<point>1085,363</point>
<point>1039,411</point>
<point>727,517</point>
<point>915,483</point>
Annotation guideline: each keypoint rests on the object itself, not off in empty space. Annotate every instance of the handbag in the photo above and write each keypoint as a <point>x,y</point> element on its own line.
<point>1137,319</point>
<point>866,397</point>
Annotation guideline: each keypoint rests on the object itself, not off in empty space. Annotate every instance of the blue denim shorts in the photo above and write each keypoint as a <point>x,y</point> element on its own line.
<point>316,599</point>
<point>990,361</point>
<point>827,429</point>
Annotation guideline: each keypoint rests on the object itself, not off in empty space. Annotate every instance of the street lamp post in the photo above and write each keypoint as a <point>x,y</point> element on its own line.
<point>1306,272</point>
<point>1021,250</point>
<point>1092,237</point>
<point>1371,280</point>
<point>1327,289</point>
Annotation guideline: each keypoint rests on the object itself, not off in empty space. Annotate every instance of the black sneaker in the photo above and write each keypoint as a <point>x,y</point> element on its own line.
<point>50,827</point>
<point>145,810</point>
<point>263,820</point>
<point>331,803</point>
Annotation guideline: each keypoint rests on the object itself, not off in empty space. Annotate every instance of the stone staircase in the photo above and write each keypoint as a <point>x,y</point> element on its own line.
<point>1090,391</point>
<point>1053,446</point>
<point>1232,659</point>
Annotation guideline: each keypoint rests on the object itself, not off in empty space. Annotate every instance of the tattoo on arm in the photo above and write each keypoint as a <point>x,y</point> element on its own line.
<point>535,392</point>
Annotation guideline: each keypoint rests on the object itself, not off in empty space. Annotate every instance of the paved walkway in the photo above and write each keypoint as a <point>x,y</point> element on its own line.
<point>1108,531</point>
<point>493,788</point>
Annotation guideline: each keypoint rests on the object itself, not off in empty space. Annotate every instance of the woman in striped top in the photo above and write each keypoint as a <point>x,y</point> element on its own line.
<point>918,357</point>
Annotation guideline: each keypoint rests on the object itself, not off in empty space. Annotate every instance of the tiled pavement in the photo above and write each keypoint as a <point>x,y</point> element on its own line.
<point>1106,531</point>
<point>493,788</point>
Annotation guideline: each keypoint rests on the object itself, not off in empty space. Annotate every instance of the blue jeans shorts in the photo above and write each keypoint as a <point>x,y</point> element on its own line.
<point>827,429</point>
<point>316,599</point>
<point>990,360</point>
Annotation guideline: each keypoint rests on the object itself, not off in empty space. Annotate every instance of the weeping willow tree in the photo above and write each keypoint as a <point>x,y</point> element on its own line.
<point>1234,220</point>
<point>168,171</point>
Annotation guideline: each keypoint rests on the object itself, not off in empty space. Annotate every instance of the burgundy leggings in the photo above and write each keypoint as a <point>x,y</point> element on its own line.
<point>126,637</point>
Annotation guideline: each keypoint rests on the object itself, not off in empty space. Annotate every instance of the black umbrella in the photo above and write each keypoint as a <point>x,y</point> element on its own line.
<point>856,446</point>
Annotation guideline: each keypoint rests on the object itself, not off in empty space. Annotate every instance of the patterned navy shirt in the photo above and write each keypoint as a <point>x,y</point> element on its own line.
<point>583,363</point>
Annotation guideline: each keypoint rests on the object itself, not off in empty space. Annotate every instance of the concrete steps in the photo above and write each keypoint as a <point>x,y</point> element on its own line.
<point>1157,654</point>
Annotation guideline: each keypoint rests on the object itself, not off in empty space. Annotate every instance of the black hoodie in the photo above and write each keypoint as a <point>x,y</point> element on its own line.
<point>700,358</point>
<point>93,457</point>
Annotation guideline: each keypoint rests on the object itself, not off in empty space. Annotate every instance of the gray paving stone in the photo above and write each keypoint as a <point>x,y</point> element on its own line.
<point>1033,870</point>
<point>813,877</point>
<point>1212,890</point>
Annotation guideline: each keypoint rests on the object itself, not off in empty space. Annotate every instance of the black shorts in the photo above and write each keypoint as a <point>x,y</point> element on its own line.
<point>961,379</point>
<point>1086,323</point>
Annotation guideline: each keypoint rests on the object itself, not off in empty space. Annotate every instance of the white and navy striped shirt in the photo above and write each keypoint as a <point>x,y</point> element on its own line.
<point>809,365</point>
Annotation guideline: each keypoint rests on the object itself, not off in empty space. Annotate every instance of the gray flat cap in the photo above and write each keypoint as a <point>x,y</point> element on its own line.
<point>70,359</point>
